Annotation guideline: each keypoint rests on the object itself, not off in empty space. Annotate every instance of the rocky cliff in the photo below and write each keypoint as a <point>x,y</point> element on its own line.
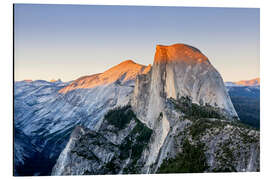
<point>178,71</point>
<point>117,147</point>
<point>181,119</point>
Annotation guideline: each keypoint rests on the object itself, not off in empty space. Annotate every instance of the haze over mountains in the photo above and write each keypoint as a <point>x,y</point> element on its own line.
<point>133,118</point>
<point>251,82</point>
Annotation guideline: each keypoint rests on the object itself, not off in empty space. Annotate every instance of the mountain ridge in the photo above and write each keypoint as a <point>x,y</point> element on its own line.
<point>123,72</point>
<point>250,82</point>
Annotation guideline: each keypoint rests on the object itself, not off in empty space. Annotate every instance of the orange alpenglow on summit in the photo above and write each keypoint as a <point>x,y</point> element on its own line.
<point>252,82</point>
<point>178,52</point>
<point>28,80</point>
<point>127,70</point>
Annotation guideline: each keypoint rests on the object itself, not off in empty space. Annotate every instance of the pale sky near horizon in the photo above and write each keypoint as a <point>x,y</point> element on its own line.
<point>69,41</point>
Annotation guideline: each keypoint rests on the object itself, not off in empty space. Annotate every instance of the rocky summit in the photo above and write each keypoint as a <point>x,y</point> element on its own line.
<point>178,118</point>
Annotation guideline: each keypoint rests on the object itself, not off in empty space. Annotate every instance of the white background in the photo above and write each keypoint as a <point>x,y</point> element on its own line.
<point>6,80</point>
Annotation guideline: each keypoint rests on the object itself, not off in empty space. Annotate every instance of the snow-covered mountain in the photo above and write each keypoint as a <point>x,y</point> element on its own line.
<point>229,84</point>
<point>179,118</point>
<point>252,82</point>
<point>47,112</point>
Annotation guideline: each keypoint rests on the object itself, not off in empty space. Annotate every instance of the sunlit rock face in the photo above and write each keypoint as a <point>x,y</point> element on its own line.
<point>123,73</point>
<point>181,70</point>
<point>178,70</point>
<point>188,72</point>
<point>179,52</point>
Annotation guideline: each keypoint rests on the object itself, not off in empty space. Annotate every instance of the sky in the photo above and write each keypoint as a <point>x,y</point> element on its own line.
<point>70,41</point>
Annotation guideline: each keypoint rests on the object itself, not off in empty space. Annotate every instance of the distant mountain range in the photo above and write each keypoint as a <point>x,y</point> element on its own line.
<point>251,82</point>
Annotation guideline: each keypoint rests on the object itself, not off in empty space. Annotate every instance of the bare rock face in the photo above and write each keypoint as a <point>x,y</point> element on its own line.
<point>181,70</point>
<point>178,71</point>
<point>118,147</point>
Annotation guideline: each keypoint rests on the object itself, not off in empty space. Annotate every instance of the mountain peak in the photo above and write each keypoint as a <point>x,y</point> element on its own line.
<point>179,71</point>
<point>179,52</point>
<point>128,61</point>
<point>55,81</point>
<point>251,82</point>
<point>123,72</point>
<point>128,67</point>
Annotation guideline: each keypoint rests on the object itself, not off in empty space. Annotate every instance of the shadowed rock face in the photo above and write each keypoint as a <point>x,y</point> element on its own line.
<point>113,149</point>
